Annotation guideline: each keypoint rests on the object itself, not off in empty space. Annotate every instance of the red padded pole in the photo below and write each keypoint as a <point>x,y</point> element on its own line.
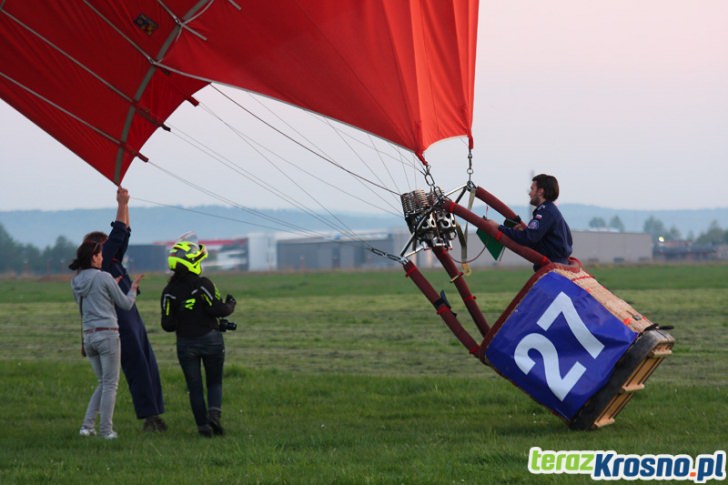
<point>495,203</point>
<point>468,298</point>
<point>412,272</point>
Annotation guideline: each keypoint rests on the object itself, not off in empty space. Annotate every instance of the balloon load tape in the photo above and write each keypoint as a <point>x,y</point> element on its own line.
<point>575,347</point>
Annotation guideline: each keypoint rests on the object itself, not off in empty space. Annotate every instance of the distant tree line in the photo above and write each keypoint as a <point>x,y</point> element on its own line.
<point>655,228</point>
<point>21,258</point>
<point>714,235</point>
<point>615,223</point>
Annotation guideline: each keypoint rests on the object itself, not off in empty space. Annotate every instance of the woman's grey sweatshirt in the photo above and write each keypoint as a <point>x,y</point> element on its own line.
<point>97,292</point>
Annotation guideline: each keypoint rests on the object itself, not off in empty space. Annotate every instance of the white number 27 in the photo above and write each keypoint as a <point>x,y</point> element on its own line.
<point>558,384</point>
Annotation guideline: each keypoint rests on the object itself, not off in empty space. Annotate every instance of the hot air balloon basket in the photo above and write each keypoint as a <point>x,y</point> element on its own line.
<point>575,347</point>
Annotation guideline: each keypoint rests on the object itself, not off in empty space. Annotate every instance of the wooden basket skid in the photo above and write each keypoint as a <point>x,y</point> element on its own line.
<point>630,375</point>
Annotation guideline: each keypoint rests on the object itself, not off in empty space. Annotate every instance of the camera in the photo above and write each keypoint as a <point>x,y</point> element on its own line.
<point>226,325</point>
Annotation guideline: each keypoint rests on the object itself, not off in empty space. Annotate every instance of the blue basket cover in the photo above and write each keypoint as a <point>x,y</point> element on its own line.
<point>559,344</point>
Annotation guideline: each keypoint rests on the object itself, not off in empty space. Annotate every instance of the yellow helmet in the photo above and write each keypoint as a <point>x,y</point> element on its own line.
<point>188,254</point>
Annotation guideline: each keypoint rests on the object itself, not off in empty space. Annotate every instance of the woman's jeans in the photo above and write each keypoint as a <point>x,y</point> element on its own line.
<point>103,350</point>
<point>209,350</point>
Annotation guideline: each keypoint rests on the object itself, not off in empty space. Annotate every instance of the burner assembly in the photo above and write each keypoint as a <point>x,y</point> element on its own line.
<point>427,219</point>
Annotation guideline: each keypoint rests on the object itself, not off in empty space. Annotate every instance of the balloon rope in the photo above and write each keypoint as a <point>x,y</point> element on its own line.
<point>225,200</point>
<point>344,135</point>
<point>326,159</point>
<point>279,223</point>
<point>258,148</point>
<point>292,228</point>
<point>334,222</point>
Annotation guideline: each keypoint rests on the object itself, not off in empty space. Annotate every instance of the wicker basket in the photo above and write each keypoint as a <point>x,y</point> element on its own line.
<point>650,345</point>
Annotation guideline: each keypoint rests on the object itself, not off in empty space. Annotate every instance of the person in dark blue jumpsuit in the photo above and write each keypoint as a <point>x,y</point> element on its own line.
<point>547,232</point>
<point>137,357</point>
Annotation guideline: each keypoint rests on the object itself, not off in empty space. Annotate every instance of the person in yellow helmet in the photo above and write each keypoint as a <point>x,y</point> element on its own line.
<point>193,309</point>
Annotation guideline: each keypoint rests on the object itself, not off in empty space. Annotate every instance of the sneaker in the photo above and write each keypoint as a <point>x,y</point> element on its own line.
<point>205,431</point>
<point>84,431</point>
<point>111,436</point>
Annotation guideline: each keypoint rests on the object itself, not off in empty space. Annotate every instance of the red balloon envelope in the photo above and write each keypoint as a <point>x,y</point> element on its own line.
<point>102,76</point>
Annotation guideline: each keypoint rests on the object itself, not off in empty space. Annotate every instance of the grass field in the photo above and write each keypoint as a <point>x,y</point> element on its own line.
<point>349,378</point>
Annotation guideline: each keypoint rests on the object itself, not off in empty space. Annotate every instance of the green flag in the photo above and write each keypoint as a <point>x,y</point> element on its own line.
<point>494,247</point>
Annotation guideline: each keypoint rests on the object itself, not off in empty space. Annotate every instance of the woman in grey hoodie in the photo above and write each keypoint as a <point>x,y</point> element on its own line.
<point>96,293</point>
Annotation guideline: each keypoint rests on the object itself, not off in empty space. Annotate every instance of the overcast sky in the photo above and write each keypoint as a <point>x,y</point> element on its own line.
<point>625,101</point>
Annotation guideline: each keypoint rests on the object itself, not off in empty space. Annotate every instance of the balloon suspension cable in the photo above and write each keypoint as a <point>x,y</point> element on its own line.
<point>332,221</point>
<point>341,226</point>
<point>429,179</point>
<point>393,257</point>
<point>463,231</point>
<point>303,146</point>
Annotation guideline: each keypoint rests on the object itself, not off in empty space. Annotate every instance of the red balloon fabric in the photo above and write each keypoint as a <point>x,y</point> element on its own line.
<point>102,76</point>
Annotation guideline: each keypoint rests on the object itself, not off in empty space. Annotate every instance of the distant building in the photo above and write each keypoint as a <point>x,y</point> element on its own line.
<point>145,258</point>
<point>227,254</point>
<point>262,252</point>
<point>267,252</point>
<point>612,247</point>
<point>722,251</point>
<point>589,247</point>
<point>332,253</point>
<point>337,252</point>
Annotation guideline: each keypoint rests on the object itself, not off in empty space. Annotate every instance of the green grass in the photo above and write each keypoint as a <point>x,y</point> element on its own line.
<point>349,378</point>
